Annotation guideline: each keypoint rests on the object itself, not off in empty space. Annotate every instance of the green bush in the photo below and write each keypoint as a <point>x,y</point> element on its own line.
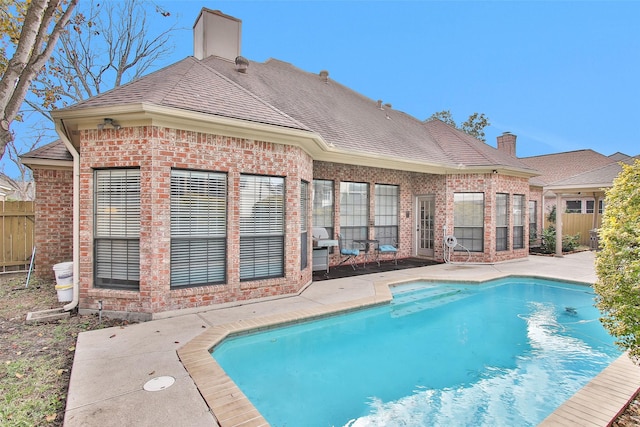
<point>548,244</point>
<point>618,262</point>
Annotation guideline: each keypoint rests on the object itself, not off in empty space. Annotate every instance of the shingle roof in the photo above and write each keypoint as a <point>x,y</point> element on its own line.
<point>602,176</point>
<point>353,122</point>
<point>619,157</point>
<point>560,166</point>
<point>55,150</point>
<point>191,85</point>
<point>277,93</point>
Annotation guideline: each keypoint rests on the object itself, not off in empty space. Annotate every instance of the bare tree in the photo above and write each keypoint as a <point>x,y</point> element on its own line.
<point>108,44</point>
<point>42,23</point>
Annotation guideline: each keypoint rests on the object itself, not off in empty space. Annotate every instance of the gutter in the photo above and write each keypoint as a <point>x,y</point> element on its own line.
<point>76,216</point>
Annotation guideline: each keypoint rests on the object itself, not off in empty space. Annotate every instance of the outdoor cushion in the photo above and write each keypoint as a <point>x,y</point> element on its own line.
<point>387,248</point>
<point>354,252</point>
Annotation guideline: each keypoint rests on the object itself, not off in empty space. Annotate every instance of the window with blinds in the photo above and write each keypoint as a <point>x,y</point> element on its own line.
<point>354,212</point>
<point>117,228</point>
<point>304,223</point>
<point>533,219</point>
<point>502,221</point>
<point>261,227</point>
<point>198,228</point>
<point>468,221</point>
<point>323,206</point>
<point>386,214</point>
<point>519,218</point>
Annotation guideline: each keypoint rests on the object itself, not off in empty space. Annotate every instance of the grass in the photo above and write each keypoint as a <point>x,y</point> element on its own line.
<point>36,359</point>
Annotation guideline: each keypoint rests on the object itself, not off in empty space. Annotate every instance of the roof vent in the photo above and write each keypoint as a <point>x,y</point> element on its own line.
<point>380,104</point>
<point>242,64</point>
<point>388,105</point>
<point>324,75</point>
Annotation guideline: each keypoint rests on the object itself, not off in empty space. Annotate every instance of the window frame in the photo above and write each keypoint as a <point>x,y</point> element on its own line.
<point>519,219</point>
<point>304,224</point>
<point>468,220</point>
<point>354,211</point>
<point>567,209</point>
<point>116,230</point>
<point>387,214</point>
<point>198,211</point>
<point>262,227</point>
<point>502,221</point>
<point>533,219</point>
<point>323,202</point>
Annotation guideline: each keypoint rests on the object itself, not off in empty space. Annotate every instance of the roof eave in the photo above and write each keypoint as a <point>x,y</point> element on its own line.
<point>146,114</point>
<point>40,163</point>
<point>580,188</point>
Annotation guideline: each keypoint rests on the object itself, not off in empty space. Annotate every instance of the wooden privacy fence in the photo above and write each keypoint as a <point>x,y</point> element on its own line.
<point>573,223</point>
<point>18,220</point>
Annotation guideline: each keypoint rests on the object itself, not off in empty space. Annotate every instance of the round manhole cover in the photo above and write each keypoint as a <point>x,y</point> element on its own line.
<point>159,383</point>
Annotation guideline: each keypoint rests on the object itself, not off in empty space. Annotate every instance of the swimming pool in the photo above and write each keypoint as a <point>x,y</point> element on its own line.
<point>507,352</point>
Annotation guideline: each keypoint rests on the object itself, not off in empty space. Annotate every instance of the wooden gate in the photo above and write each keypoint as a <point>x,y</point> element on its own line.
<point>17,235</point>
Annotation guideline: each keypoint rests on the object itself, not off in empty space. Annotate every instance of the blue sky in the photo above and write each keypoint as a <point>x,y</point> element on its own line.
<point>561,75</point>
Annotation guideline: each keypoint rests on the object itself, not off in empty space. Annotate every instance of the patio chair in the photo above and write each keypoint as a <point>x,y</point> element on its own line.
<point>387,249</point>
<point>348,254</point>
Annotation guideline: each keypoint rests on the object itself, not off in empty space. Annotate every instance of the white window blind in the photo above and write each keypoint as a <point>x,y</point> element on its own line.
<point>502,221</point>
<point>468,220</point>
<point>117,228</point>
<point>261,227</point>
<point>304,223</point>
<point>198,228</point>
<point>354,212</point>
<point>386,213</point>
<point>519,217</point>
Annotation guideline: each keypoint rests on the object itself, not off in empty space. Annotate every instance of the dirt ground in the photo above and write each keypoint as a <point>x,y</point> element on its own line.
<point>37,358</point>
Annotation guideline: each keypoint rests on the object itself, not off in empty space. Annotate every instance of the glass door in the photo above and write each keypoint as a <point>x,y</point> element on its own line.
<point>426,225</point>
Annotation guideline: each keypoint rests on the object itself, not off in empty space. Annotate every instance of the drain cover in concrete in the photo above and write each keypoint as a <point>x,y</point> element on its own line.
<point>159,383</point>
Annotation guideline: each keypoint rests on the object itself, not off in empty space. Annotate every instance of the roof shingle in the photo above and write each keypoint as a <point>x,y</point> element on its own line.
<point>279,94</point>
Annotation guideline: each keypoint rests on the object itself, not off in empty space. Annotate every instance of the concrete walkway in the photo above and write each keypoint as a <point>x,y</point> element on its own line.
<point>112,366</point>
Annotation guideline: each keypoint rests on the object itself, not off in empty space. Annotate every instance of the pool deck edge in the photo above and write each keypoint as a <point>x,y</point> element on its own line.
<point>112,364</point>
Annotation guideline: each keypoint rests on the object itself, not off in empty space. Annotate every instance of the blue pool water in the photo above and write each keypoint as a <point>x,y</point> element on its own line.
<point>505,353</point>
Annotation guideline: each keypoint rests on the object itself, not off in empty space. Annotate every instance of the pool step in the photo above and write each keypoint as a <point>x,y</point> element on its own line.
<point>421,292</point>
<point>416,301</point>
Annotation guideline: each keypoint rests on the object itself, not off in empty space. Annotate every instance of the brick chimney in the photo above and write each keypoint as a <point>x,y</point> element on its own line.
<point>507,143</point>
<point>215,33</point>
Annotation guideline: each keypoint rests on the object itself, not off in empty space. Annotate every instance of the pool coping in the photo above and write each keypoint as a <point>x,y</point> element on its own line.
<point>597,404</point>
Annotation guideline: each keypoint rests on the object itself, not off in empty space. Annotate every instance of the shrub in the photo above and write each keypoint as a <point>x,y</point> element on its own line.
<point>548,244</point>
<point>618,262</point>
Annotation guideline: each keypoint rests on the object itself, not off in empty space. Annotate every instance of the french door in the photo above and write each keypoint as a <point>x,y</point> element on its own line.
<point>425,230</point>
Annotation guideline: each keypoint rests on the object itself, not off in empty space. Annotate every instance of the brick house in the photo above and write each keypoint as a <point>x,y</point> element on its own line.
<point>199,184</point>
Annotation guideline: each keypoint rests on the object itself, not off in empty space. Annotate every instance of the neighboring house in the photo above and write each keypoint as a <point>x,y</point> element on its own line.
<point>52,167</point>
<point>557,168</point>
<point>588,187</point>
<point>199,184</point>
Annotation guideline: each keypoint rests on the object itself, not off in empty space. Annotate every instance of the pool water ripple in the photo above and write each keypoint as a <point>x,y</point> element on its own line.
<point>507,352</point>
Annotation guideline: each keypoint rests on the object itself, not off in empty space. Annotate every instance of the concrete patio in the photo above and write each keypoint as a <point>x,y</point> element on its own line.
<point>111,366</point>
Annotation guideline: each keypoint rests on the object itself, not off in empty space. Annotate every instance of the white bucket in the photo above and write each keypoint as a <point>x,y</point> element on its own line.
<point>64,273</point>
<point>65,292</point>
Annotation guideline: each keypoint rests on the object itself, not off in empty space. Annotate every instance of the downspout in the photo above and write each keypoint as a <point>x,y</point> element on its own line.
<point>76,216</point>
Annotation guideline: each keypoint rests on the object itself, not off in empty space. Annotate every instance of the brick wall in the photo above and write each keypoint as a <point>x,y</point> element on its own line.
<point>442,188</point>
<point>156,151</point>
<point>53,219</point>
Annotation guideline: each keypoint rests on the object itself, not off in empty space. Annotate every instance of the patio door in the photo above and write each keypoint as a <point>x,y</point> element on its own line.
<point>425,218</point>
